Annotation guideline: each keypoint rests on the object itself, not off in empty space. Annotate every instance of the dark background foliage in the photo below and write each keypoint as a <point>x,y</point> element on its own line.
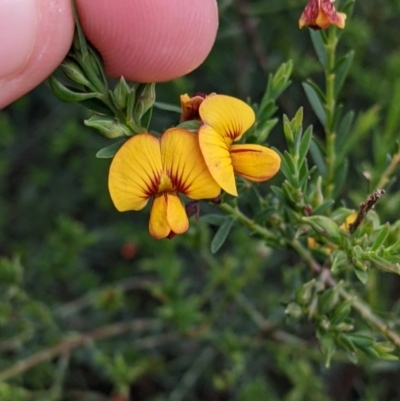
<point>72,264</point>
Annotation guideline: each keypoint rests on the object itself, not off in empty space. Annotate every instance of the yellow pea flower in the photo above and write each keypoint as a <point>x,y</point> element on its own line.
<point>160,168</point>
<point>321,14</point>
<point>225,120</point>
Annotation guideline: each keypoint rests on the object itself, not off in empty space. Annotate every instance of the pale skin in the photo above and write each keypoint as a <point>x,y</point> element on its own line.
<point>36,35</point>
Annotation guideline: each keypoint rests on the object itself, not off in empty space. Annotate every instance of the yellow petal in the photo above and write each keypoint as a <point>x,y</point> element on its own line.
<point>218,159</point>
<point>230,117</point>
<point>167,214</point>
<point>135,172</point>
<point>185,166</point>
<point>176,214</point>
<point>158,223</point>
<point>254,162</point>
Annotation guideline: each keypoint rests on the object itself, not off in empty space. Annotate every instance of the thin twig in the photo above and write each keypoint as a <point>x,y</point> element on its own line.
<point>124,285</point>
<point>385,177</point>
<point>367,314</point>
<point>365,207</point>
<point>68,345</point>
<point>358,305</point>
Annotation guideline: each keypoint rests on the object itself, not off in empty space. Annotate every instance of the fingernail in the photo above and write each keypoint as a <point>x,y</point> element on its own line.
<point>17,32</point>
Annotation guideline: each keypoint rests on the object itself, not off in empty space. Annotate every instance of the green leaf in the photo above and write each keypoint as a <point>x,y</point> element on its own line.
<point>315,100</point>
<point>319,46</point>
<point>291,165</point>
<point>167,107</point>
<point>278,192</point>
<point>341,312</point>
<point>328,300</point>
<point>361,339</point>
<point>305,145</point>
<point>317,157</point>
<point>339,259</point>
<point>192,125</point>
<point>380,236</point>
<point>221,235</point>
<point>266,110</point>
<point>392,121</point>
<point>285,169</point>
<point>340,177</point>
<point>343,130</point>
<point>213,219</point>
<point>346,343</point>
<point>278,82</point>
<point>342,69</point>
<point>263,129</point>
<point>288,132</point>
<point>366,121</point>
<point>327,345</point>
<point>109,151</point>
<point>146,119</point>
<point>323,207</point>
<point>361,275</point>
<point>66,94</point>
<point>325,227</point>
<point>97,106</point>
<point>73,71</point>
<point>121,93</point>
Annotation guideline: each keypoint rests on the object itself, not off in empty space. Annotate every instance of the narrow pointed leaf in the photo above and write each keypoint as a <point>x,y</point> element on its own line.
<point>221,235</point>
<point>109,151</point>
<point>315,102</point>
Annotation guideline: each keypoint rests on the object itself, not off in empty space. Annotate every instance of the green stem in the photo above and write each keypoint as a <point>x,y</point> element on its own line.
<point>330,107</point>
<point>325,274</point>
<point>385,177</point>
<point>362,308</point>
<point>249,223</point>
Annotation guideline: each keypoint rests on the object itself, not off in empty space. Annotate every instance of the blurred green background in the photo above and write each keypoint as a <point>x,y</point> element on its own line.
<point>193,326</point>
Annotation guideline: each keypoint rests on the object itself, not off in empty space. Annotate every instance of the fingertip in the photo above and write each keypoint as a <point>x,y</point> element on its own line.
<point>34,45</point>
<point>152,40</point>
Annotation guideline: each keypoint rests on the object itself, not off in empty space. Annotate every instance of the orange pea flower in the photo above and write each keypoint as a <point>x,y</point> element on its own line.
<point>160,168</point>
<point>190,107</point>
<point>321,14</point>
<point>225,120</point>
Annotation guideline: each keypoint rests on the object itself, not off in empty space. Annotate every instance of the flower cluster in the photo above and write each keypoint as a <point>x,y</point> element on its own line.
<point>197,165</point>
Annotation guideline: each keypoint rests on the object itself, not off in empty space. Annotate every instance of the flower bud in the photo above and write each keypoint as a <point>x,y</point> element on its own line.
<point>325,226</point>
<point>74,72</point>
<point>107,126</point>
<point>121,93</point>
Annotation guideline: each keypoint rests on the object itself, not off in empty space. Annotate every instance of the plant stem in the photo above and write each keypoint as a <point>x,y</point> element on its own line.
<point>248,223</point>
<point>324,273</point>
<point>330,107</point>
<point>385,177</point>
<point>358,304</point>
<point>368,315</point>
<point>68,345</point>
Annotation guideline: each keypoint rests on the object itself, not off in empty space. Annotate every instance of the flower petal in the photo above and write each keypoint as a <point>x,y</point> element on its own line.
<point>135,172</point>
<point>176,214</point>
<point>320,14</point>
<point>158,223</point>
<point>310,14</point>
<point>167,215</point>
<point>332,15</point>
<point>230,117</point>
<point>185,166</point>
<point>254,162</point>
<point>217,157</point>
<point>190,107</point>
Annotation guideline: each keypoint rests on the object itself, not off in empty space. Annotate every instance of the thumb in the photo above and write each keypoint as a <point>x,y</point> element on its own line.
<point>35,37</point>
